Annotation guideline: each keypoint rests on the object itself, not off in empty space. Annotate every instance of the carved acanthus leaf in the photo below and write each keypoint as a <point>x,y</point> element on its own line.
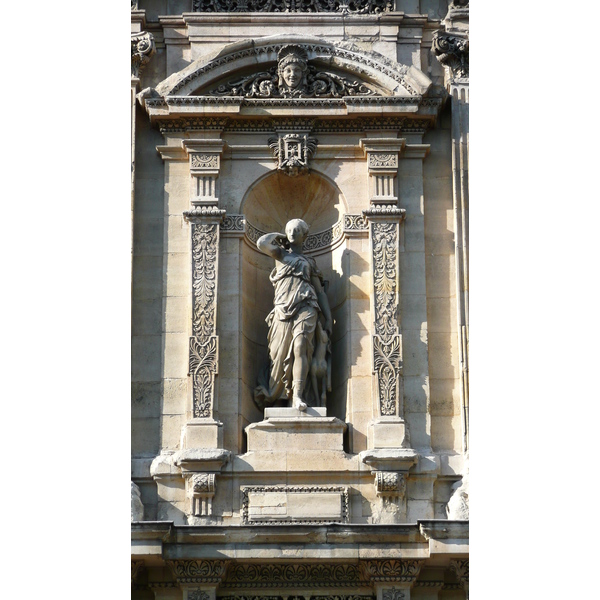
<point>142,49</point>
<point>452,51</point>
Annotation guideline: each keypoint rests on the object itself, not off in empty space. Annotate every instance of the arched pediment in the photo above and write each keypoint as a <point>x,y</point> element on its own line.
<point>250,73</point>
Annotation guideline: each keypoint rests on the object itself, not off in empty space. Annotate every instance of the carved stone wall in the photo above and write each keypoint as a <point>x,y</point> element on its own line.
<point>249,122</point>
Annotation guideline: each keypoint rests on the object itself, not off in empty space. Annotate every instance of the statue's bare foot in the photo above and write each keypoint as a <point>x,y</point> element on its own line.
<point>298,404</point>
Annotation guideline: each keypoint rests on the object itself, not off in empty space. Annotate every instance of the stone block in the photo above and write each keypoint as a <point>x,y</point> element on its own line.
<point>149,198</point>
<point>415,358</point>
<point>146,357</point>
<point>296,433</point>
<point>178,235</point>
<point>416,394</point>
<point>443,355</point>
<point>145,399</point>
<point>287,505</point>
<point>202,434</point>
<point>414,233</point>
<point>172,511</point>
<point>287,412</point>
<point>148,236</point>
<point>412,273</point>
<point>145,436</point>
<point>446,433</point>
<point>445,397</point>
<point>178,279</point>
<point>147,278</point>
<point>419,427</point>
<point>146,318</point>
<point>441,314</point>
<point>388,432</point>
<point>420,488</point>
<point>228,313</point>
<point>178,314</point>
<point>419,509</point>
<point>176,355</point>
<point>171,489</point>
<point>441,273</point>
<point>175,396</point>
<point>170,431</point>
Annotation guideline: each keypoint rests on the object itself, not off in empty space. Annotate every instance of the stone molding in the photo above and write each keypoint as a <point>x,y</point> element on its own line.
<point>391,570</point>
<point>294,575</point>
<point>389,459</point>
<point>199,571</point>
<point>142,49</point>
<point>294,489</point>
<point>272,125</point>
<point>349,57</point>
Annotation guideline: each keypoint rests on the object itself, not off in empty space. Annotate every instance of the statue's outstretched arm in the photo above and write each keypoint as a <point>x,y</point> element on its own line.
<point>268,245</point>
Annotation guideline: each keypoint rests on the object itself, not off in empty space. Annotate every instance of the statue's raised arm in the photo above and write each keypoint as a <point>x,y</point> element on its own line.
<point>300,302</point>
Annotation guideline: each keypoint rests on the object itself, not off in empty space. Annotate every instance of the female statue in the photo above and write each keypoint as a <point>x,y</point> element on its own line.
<point>300,301</point>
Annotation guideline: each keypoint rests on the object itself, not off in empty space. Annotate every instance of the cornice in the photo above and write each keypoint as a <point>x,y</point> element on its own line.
<point>303,18</point>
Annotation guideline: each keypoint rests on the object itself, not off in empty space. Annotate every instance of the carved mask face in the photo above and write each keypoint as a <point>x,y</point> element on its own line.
<point>292,75</point>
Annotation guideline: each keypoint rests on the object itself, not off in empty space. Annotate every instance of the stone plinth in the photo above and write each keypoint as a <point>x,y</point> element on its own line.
<point>296,433</point>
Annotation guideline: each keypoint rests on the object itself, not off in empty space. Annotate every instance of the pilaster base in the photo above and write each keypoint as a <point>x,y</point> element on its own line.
<point>202,433</point>
<point>387,432</point>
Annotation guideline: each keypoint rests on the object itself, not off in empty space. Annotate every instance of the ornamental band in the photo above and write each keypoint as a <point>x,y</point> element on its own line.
<point>300,303</point>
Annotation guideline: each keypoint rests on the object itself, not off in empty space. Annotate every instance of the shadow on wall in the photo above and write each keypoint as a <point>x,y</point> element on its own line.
<point>147,291</point>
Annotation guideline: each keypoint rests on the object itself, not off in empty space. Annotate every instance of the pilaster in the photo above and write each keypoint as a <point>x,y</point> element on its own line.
<point>199,579</point>
<point>392,579</point>
<point>451,46</point>
<point>461,569</point>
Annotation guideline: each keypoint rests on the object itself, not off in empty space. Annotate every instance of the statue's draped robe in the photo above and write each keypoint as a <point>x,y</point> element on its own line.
<point>295,312</point>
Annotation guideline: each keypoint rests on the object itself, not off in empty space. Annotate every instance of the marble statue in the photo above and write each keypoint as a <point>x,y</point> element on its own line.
<point>300,307</point>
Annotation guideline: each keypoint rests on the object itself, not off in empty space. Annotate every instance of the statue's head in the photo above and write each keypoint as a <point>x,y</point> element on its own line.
<point>292,67</point>
<point>296,231</point>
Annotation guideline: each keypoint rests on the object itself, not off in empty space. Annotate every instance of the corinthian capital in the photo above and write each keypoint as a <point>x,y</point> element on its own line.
<point>452,50</point>
<point>142,48</point>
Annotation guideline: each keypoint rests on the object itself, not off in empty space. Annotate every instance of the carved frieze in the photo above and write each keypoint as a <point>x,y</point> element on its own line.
<point>292,151</point>
<point>142,49</point>
<point>288,6</point>
<point>293,77</point>
<point>233,223</point>
<point>391,570</point>
<point>355,223</point>
<point>197,595</point>
<point>284,575</point>
<point>198,571</point>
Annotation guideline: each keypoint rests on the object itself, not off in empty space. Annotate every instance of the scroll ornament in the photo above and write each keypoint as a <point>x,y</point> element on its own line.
<point>142,49</point>
<point>293,77</point>
<point>386,342</point>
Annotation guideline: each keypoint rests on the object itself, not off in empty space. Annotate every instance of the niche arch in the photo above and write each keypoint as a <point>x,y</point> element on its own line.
<point>268,204</point>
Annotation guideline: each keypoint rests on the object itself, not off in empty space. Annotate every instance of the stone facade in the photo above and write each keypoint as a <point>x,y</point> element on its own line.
<point>367,496</point>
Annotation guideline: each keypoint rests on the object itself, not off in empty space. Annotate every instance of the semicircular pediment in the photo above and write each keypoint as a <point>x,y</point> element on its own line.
<point>253,69</point>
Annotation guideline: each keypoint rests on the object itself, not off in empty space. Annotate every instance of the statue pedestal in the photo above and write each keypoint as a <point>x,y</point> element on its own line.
<point>291,430</point>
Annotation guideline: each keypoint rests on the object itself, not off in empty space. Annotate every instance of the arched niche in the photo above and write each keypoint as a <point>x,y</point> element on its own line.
<point>267,206</point>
